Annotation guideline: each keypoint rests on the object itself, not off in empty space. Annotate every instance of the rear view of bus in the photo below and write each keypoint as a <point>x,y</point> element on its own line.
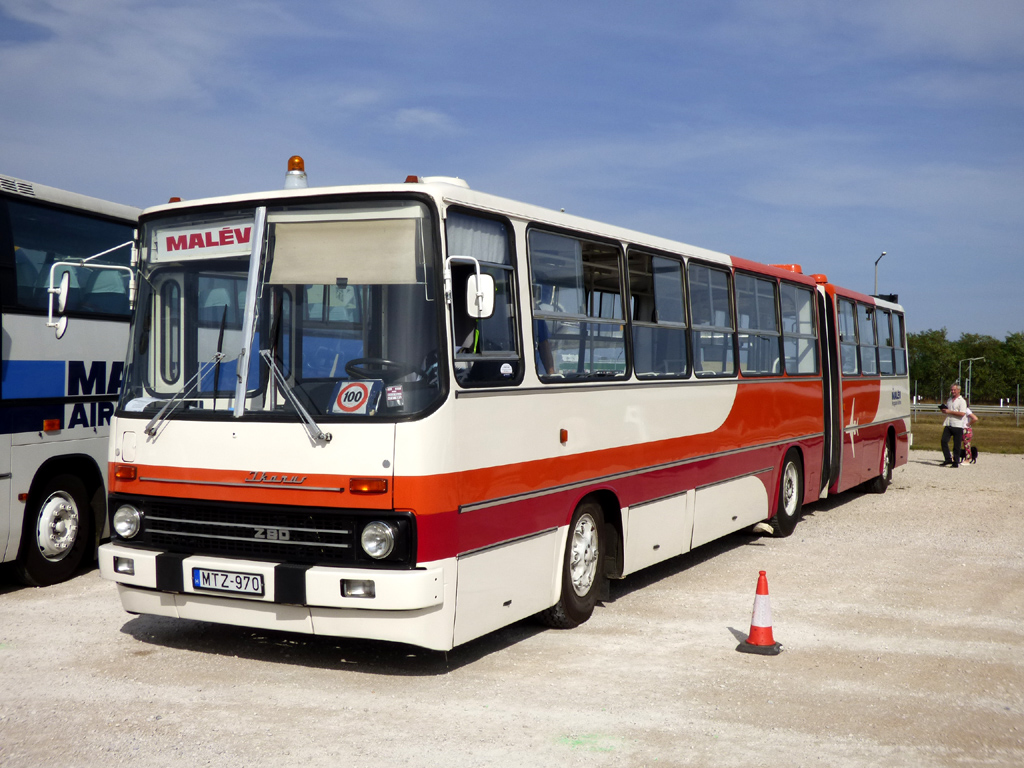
<point>60,379</point>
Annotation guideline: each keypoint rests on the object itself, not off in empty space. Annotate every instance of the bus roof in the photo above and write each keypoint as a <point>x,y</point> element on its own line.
<point>28,189</point>
<point>445,193</point>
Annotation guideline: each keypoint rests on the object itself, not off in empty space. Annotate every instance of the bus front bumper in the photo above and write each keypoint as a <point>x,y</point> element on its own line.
<point>413,606</point>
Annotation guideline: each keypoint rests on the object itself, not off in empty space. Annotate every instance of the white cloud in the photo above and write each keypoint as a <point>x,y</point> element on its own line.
<point>424,121</point>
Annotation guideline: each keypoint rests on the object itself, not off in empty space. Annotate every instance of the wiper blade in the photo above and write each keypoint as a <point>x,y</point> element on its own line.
<point>220,347</point>
<point>180,396</point>
<point>311,426</point>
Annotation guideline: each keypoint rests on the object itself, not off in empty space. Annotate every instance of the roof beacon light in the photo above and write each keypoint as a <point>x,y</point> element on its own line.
<point>296,176</point>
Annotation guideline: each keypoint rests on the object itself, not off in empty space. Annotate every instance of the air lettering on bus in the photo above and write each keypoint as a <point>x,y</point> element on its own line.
<point>93,382</point>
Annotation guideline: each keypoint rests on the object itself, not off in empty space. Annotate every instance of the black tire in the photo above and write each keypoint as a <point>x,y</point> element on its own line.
<point>880,483</point>
<point>791,496</point>
<point>56,533</point>
<point>582,569</point>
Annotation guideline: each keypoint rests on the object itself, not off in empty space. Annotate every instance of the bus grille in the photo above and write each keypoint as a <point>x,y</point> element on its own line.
<point>286,534</point>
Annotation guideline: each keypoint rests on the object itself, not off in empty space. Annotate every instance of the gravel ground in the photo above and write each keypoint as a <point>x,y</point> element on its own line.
<point>900,616</point>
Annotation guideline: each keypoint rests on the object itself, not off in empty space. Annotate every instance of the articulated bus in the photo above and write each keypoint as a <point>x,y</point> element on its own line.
<point>57,395</point>
<point>416,412</point>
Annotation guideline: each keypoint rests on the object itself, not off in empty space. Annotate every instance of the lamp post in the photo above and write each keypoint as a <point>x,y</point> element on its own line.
<point>959,370</point>
<point>876,272</point>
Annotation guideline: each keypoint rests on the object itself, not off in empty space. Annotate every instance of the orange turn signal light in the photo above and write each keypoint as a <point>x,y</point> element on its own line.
<point>125,472</point>
<point>368,485</point>
<point>51,425</point>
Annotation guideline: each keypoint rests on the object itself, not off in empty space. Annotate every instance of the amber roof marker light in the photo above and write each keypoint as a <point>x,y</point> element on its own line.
<point>296,176</point>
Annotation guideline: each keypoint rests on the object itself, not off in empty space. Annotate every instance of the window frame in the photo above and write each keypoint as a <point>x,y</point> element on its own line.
<point>617,319</point>
<point>757,332</point>
<point>515,357</point>
<point>657,326</point>
<point>861,345</point>
<point>814,337</point>
<point>699,328</point>
<point>847,346</point>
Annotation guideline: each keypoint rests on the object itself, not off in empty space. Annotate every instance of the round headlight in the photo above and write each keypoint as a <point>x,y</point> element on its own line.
<point>378,540</point>
<point>127,521</point>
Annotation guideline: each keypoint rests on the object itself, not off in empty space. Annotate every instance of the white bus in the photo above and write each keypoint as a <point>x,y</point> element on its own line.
<point>417,412</point>
<point>57,395</point>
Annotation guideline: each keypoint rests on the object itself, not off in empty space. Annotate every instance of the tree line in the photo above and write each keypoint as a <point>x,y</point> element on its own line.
<point>935,363</point>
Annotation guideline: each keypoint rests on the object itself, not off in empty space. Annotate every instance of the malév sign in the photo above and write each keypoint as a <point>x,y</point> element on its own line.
<point>205,241</point>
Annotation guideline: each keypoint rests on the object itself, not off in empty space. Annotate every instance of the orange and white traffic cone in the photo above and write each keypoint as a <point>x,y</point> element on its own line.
<point>760,639</point>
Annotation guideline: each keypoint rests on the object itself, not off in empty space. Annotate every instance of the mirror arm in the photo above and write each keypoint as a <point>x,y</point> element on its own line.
<point>448,276</point>
<point>62,323</point>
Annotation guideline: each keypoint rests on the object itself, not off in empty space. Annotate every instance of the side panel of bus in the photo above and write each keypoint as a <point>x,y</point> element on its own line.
<point>57,395</point>
<point>73,398</point>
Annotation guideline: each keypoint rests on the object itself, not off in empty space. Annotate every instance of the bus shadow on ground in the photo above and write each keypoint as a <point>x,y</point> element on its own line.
<point>378,657</point>
<point>375,657</point>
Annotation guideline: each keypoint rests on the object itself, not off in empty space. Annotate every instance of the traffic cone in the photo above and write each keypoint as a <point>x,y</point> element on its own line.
<point>760,639</point>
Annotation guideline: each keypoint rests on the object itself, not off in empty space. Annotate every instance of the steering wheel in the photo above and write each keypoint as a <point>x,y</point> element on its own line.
<point>379,368</point>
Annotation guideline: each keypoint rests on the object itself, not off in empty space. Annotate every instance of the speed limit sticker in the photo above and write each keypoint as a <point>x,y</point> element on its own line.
<point>353,398</point>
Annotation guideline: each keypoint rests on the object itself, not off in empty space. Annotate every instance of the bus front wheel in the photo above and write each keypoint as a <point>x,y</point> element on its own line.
<point>791,495</point>
<point>582,569</point>
<point>55,534</point>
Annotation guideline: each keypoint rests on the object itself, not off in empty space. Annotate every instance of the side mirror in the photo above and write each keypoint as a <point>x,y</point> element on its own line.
<point>62,291</point>
<point>480,296</point>
<point>62,325</point>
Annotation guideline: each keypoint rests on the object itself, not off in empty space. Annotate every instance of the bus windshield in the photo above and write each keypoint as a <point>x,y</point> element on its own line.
<point>345,317</point>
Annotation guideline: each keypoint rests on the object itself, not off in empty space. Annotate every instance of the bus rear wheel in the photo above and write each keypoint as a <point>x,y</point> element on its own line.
<point>55,533</point>
<point>880,483</point>
<point>582,569</point>
<point>791,495</point>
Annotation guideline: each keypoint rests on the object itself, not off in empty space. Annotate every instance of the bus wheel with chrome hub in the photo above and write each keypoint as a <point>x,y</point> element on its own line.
<point>582,569</point>
<point>791,495</point>
<point>55,533</point>
<point>884,478</point>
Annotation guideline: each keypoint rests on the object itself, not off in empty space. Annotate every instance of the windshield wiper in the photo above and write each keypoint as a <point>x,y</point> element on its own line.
<point>311,426</point>
<point>220,346</point>
<point>180,396</point>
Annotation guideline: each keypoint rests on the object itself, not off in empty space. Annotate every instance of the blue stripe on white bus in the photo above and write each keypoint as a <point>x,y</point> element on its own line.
<point>33,379</point>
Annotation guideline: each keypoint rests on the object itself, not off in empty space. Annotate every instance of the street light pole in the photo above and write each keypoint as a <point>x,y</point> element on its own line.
<point>959,372</point>
<point>970,363</point>
<point>876,272</point>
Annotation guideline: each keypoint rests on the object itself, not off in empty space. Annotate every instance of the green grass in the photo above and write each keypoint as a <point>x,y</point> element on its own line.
<point>992,434</point>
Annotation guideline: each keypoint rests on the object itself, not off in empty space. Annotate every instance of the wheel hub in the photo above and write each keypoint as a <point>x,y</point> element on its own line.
<point>57,528</point>
<point>583,563</point>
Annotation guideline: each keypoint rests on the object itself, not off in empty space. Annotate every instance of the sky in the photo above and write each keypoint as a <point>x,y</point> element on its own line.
<point>793,131</point>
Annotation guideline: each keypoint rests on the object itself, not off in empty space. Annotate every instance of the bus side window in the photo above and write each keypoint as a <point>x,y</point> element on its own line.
<point>848,337</point>
<point>714,333</point>
<point>485,351</point>
<point>900,340</point>
<point>885,345</point>
<point>578,312</point>
<point>759,325</point>
<point>658,312</point>
<point>44,236</point>
<point>868,350</point>
<point>799,340</point>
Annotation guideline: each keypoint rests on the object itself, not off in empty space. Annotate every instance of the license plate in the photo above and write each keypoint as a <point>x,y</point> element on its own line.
<point>227,581</point>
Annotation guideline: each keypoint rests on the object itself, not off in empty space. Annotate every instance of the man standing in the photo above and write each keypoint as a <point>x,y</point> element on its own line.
<point>956,411</point>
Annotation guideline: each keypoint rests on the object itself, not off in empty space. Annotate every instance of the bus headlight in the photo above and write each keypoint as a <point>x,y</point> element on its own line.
<point>127,521</point>
<point>378,540</point>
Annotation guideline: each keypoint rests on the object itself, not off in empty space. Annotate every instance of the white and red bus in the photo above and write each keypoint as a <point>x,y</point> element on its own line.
<point>416,412</point>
